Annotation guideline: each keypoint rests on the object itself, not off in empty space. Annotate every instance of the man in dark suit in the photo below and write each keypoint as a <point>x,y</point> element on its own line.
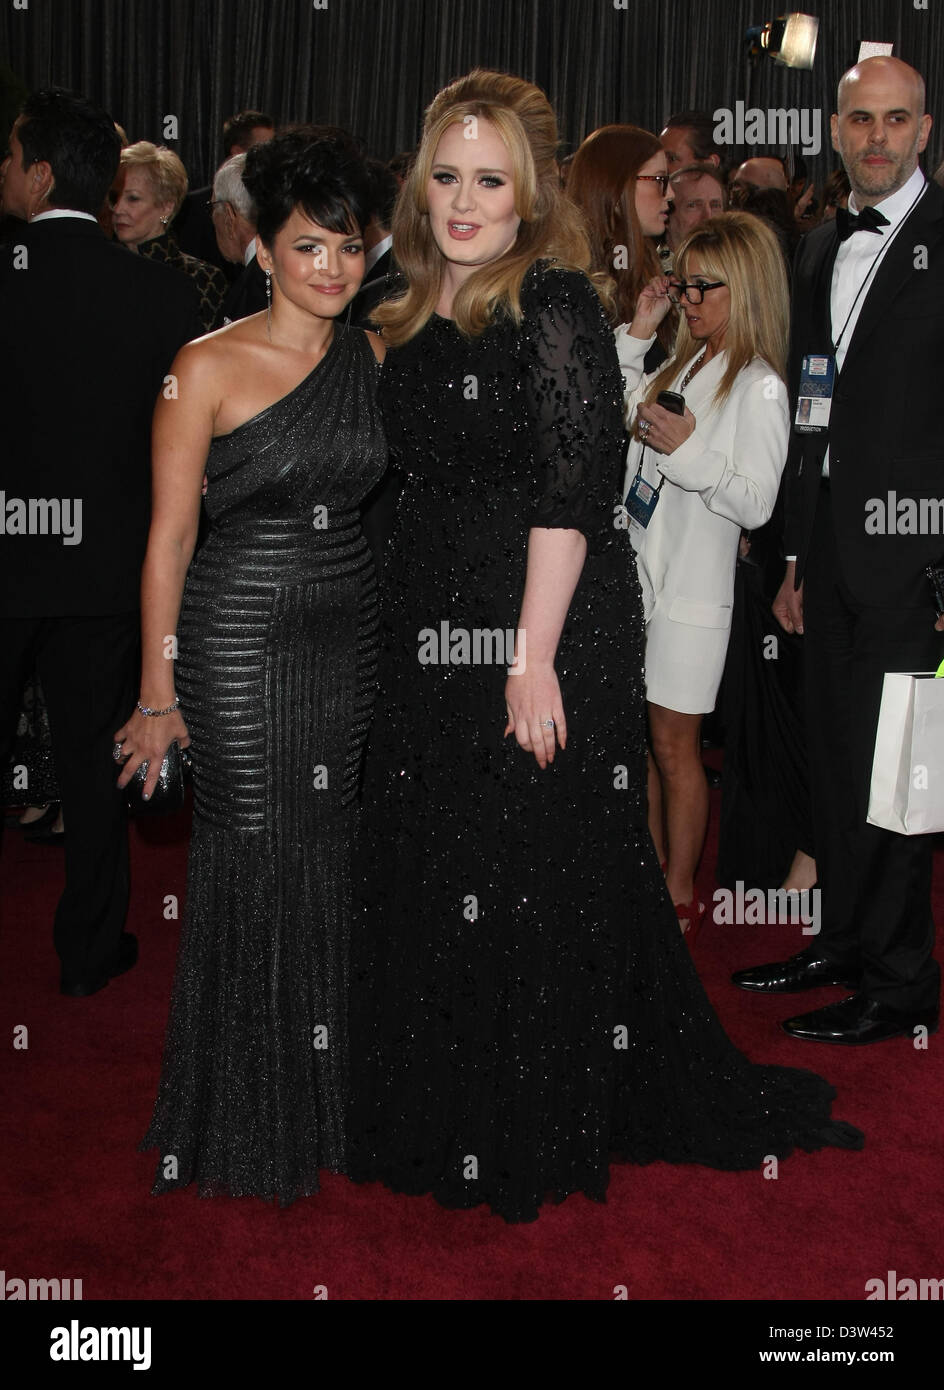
<point>379,266</point>
<point>234,219</point>
<point>868,293</point>
<point>87,335</point>
<point>193,225</point>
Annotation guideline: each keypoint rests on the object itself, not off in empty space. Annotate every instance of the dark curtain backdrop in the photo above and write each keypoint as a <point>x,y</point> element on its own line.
<point>373,65</point>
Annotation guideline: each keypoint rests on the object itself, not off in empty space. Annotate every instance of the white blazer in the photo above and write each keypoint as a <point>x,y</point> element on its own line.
<point>724,477</point>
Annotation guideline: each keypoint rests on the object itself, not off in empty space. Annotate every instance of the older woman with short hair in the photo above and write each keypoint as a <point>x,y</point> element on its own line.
<point>147,195</point>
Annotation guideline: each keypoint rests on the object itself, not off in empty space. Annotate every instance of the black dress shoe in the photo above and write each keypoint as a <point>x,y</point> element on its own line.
<point>858,1020</point>
<point>125,957</point>
<point>802,971</point>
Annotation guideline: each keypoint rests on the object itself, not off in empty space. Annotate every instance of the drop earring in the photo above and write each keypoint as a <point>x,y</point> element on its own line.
<point>268,276</point>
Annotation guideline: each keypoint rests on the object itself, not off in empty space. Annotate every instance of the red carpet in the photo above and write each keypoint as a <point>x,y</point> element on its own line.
<point>75,1201</point>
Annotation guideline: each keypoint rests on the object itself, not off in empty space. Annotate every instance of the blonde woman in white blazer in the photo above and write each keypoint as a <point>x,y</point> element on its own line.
<point>717,470</point>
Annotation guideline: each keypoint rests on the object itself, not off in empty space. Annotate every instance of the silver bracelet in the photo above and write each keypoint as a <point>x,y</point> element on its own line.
<point>145,709</point>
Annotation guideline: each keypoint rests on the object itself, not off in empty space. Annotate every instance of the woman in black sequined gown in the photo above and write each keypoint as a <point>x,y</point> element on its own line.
<point>275,674</point>
<point>523,1005</point>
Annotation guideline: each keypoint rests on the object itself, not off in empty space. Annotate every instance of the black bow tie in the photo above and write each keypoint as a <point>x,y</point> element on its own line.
<point>868,220</point>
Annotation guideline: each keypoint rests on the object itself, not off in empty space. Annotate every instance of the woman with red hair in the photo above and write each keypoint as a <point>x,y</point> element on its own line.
<point>620,182</point>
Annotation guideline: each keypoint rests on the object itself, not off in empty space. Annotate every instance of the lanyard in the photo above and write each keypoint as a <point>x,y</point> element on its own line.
<point>638,472</point>
<point>875,260</point>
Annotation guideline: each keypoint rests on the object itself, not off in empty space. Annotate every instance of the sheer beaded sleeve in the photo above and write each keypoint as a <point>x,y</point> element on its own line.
<point>574,391</point>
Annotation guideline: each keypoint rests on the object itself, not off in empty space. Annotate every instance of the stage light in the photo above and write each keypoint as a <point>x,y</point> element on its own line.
<point>790,40</point>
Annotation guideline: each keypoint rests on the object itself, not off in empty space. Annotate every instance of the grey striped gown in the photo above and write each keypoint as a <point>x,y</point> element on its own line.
<point>275,673</point>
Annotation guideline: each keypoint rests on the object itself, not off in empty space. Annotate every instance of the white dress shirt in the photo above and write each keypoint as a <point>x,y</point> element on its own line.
<point>859,256</point>
<point>62,212</point>
<point>372,256</point>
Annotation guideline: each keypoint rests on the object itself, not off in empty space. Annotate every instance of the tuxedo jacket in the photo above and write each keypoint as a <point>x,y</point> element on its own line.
<point>247,295</point>
<point>886,427</point>
<point>196,234</point>
<point>380,283</point>
<point>88,331</point>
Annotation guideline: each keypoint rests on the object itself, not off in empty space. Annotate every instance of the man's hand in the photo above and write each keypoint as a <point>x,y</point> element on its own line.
<point>939,625</point>
<point>788,605</point>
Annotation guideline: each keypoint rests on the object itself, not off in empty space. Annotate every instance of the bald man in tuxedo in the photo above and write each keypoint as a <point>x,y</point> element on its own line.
<point>867,291</point>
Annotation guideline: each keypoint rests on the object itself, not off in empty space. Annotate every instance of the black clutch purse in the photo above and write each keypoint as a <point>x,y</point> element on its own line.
<point>168,795</point>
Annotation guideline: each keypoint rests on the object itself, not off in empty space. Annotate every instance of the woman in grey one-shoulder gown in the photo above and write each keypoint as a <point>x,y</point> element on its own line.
<point>275,677</point>
<point>276,626</point>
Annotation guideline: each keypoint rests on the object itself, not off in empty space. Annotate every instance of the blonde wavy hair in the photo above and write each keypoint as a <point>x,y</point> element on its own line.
<point>551,226</point>
<point>166,173</point>
<point>741,250</point>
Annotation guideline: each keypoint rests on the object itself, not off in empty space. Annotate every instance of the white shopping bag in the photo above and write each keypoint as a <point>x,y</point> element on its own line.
<point>907,792</point>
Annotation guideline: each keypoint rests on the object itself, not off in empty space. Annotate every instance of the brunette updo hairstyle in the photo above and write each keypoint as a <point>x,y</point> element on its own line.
<point>318,169</point>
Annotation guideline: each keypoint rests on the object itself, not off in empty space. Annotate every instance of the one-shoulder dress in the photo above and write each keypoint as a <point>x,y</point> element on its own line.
<point>276,677</point>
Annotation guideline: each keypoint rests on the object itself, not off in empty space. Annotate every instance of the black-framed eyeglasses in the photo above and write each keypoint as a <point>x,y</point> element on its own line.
<point>693,290</point>
<point>217,203</point>
<point>661,179</point>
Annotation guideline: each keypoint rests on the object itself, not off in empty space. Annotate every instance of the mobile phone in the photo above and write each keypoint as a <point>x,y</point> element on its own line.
<point>671,400</point>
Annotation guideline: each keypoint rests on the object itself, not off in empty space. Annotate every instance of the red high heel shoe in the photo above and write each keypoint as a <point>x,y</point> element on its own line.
<point>694,914</point>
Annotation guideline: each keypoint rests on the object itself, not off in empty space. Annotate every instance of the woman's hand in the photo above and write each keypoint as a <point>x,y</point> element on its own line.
<point>146,738</point>
<point>532,699</point>
<point>662,429</point>
<point>651,307</point>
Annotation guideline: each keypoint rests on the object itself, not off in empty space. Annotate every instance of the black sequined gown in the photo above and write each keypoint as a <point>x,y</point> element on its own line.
<point>275,673</point>
<point>523,1006</point>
